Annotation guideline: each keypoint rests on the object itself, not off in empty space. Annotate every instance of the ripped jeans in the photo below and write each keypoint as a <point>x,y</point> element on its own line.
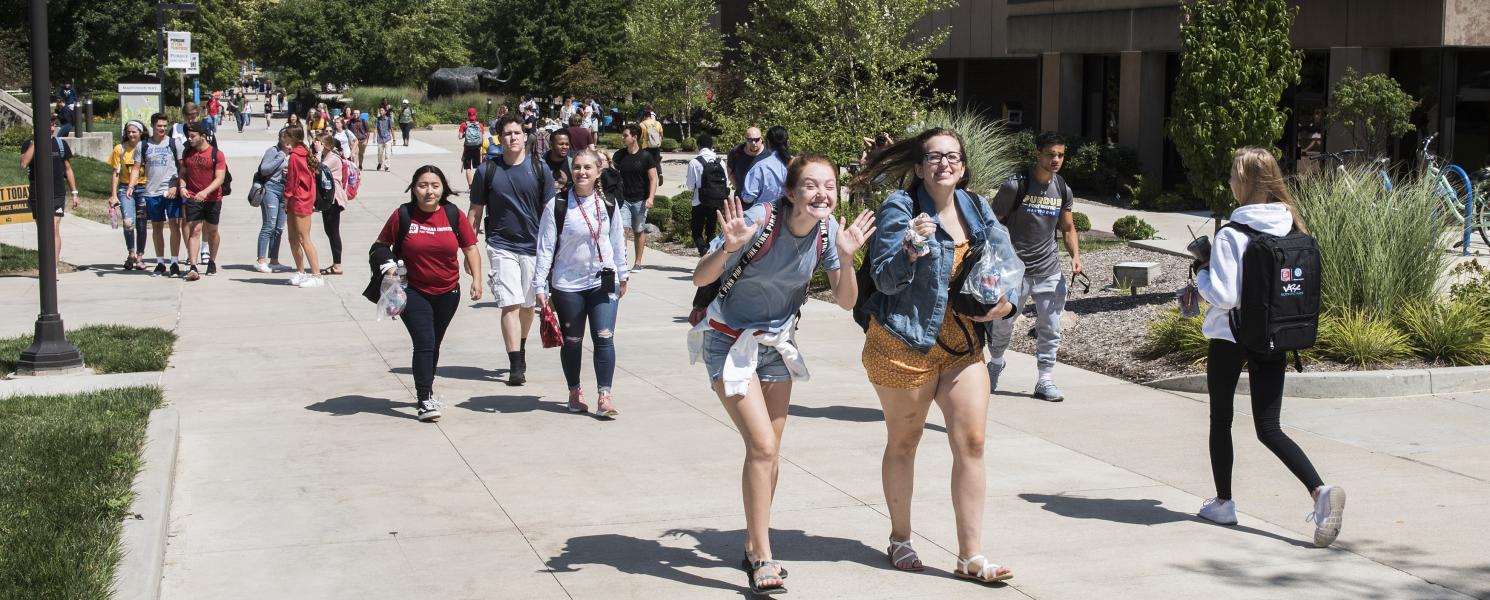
<point>573,309</point>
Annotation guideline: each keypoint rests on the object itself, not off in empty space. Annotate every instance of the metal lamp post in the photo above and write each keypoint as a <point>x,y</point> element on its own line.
<point>160,40</point>
<point>49,352</point>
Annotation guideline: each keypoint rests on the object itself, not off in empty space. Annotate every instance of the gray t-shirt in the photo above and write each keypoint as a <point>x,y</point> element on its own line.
<point>1032,227</point>
<point>774,285</point>
<point>159,165</point>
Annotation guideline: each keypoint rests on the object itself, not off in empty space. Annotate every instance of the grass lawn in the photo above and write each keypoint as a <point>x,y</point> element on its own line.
<point>66,465</point>
<point>93,179</point>
<point>106,348</point>
<point>17,260</point>
<point>1089,244</point>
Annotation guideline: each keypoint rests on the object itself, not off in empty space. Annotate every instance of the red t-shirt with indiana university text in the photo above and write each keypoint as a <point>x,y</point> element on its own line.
<point>198,172</point>
<point>431,250</point>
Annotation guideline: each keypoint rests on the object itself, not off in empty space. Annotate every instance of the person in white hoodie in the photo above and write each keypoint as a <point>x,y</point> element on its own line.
<point>702,221</point>
<point>1265,206</point>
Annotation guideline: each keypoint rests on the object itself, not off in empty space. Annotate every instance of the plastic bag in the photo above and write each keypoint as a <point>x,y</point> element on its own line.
<point>393,299</point>
<point>998,272</point>
<point>1189,299</point>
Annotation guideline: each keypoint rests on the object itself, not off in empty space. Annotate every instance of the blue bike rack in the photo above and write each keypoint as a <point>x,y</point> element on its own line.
<point>1468,204</point>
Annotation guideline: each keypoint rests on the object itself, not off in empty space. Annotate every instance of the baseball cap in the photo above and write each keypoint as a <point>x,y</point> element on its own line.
<point>471,112</point>
<point>199,127</point>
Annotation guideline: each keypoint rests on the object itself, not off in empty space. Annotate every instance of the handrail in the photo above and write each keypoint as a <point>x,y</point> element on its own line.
<point>14,105</point>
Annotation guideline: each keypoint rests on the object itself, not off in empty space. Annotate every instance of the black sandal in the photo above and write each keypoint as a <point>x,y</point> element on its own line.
<point>330,271</point>
<point>755,577</point>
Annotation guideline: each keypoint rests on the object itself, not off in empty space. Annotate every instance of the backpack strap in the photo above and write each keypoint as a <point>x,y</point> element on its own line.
<point>822,241</point>
<point>404,220</point>
<point>1023,189</point>
<point>452,216</point>
<point>1246,230</point>
<point>755,249</point>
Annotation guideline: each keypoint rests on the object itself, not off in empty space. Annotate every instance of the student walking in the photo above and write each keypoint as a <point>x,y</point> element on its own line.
<point>765,180</point>
<point>471,134</point>
<point>406,121</point>
<point>582,274</point>
<point>384,125</point>
<point>268,113</point>
<point>744,156</point>
<point>203,169</point>
<point>431,245</point>
<point>508,198</point>
<point>706,179</point>
<point>61,156</point>
<point>1266,208</point>
<point>919,349</point>
<point>156,160</point>
<point>1033,221</point>
<point>358,127</point>
<point>129,195</point>
<point>557,157</point>
<point>300,203</point>
<point>639,181</point>
<point>272,169</point>
<point>764,259</point>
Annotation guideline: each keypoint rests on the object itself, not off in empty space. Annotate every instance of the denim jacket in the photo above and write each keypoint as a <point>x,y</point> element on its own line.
<point>911,297</point>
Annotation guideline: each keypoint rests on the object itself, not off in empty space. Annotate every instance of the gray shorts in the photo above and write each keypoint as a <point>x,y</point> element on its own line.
<point>769,366</point>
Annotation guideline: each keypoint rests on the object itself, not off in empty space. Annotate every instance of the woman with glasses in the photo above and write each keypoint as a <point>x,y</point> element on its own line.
<point>918,350</point>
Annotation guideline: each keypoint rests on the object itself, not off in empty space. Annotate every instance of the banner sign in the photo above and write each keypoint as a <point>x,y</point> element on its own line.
<point>178,49</point>
<point>14,207</point>
<point>196,64</point>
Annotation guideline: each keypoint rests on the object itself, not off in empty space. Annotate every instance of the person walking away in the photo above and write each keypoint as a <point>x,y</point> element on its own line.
<point>1032,222</point>
<point>272,169</point>
<point>156,160</point>
<point>639,181</point>
<point>580,138</point>
<point>764,260</point>
<point>203,169</point>
<point>557,157</point>
<point>268,113</point>
<point>765,181</point>
<point>706,179</point>
<point>406,121</point>
<point>1266,209</point>
<point>918,348</point>
<point>300,203</point>
<point>582,276</point>
<point>129,195</point>
<point>507,199</point>
<point>334,157</point>
<point>61,156</point>
<point>214,109</point>
<point>491,145</point>
<point>430,247</point>
<point>359,129</point>
<point>471,133</point>
<point>384,126</point>
<point>651,141</point>
<point>744,156</point>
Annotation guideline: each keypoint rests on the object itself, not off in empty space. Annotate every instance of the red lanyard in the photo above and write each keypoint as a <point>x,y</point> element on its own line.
<point>594,228</point>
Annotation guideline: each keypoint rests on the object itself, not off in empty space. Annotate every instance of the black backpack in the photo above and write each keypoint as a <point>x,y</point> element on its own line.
<point>713,187</point>
<point>325,189</point>
<point>1278,306</point>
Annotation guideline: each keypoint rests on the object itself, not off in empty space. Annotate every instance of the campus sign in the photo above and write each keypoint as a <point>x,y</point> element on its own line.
<point>14,207</point>
<point>178,49</point>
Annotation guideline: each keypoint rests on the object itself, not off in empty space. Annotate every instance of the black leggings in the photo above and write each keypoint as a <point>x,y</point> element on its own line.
<point>702,226</point>
<point>426,317</point>
<point>331,220</point>
<point>1265,375</point>
<point>406,128</point>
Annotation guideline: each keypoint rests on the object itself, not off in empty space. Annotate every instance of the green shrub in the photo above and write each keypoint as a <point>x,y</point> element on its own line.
<point>682,209</point>
<point>14,136</point>
<point>1083,222</point>
<point>1098,166</point>
<point>1174,335</point>
<point>1379,250</point>
<point>1473,284</point>
<point>612,141</point>
<point>1132,228</point>
<point>1142,191</point>
<point>669,145</point>
<point>1451,332</point>
<point>661,213</point>
<point>1356,337</point>
<point>688,145</point>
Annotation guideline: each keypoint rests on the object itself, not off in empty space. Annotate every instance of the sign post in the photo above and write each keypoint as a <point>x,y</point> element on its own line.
<point>160,43</point>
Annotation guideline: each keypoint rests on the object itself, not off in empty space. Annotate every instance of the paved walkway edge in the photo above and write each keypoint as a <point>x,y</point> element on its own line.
<point>143,537</point>
<point>1356,384</point>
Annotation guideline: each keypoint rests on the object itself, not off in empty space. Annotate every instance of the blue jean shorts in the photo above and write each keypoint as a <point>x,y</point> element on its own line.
<point>159,208</point>
<point>769,366</point>
<point>633,214</point>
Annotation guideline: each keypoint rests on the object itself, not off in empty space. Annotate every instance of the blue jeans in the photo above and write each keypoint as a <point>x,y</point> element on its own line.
<point>573,309</point>
<point>273,212</point>
<point>634,214</point>
<point>132,214</point>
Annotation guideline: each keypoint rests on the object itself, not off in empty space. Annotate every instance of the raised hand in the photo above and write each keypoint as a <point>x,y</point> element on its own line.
<point>854,236</point>
<point>733,227</point>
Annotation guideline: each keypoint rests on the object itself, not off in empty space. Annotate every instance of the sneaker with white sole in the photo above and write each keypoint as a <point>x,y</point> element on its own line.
<point>1219,511</point>
<point>994,370</point>
<point>160,269</point>
<point>1329,511</point>
<point>298,278</point>
<point>262,268</point>
<point>1046,390</point>
<point>429,410</point>
<point>312,281</point>
<point>577,401</point>
<point>606,406</point>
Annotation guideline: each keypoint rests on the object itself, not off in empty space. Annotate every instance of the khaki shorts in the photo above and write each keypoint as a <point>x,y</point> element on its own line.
<point>509,275</point>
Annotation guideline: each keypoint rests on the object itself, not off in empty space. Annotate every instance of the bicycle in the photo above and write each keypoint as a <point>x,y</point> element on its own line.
<point>1458,191</point>
<point>1380,163</point>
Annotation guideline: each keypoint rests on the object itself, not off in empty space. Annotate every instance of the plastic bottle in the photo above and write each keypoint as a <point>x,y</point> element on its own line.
<point>403,275</point>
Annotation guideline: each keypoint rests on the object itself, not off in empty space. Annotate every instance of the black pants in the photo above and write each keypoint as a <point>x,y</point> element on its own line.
<point>657,158</point>
<point>426,317</point>
<point>331,220</point>
<point>702,225</point>
<point>406,128</point>
<point>1265,374</point>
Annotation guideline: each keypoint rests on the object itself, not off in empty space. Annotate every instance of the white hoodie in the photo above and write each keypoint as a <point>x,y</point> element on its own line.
<point>1220,284</point>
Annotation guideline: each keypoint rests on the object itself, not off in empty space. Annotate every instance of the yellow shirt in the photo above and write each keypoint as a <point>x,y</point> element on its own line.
<point>123,161</point>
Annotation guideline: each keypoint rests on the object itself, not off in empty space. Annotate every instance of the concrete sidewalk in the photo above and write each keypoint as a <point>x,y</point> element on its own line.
<point>303,473</point>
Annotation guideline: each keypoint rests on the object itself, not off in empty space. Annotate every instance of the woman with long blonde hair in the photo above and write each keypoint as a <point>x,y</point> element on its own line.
<point>300,203</point>
<point>1264,208</point>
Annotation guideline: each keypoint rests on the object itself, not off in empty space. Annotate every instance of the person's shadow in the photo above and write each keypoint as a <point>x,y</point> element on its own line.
<point>342,406</point>
<point>511,404</point>
<point>1144,512</point>
<point>459,372</point>
<point>852,414</point>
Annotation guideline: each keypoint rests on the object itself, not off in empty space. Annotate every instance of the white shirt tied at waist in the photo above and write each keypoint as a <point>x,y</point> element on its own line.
<point>740,364</point>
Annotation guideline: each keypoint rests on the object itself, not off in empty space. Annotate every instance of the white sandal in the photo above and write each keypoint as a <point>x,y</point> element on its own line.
<point>902,552</point>
<point>984,572</point>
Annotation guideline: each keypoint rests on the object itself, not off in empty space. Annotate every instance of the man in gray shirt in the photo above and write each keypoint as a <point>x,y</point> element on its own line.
<point>1032,222</point>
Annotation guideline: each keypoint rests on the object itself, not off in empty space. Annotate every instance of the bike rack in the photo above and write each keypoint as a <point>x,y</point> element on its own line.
<point>1468,204</point>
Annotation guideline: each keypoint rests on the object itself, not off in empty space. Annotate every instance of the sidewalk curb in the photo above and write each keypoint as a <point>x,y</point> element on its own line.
<point>1355,384</point>
<point>1149,245</point>
<point>143,537</point>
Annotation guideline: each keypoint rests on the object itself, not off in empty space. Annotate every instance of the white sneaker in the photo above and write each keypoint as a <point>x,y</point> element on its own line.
<point>1219,511</point>
<point>1329,510</point>
<point>298,278</point>
<point>312,282</point>
<point>262,267</point>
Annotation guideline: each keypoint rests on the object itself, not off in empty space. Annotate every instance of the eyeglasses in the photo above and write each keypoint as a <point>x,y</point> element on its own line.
<point>952,158</point>
<point>753,140</point>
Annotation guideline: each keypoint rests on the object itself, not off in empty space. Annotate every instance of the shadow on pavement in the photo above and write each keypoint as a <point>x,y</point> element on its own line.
<point>712,549</point>
<point>1145,512</point>
<point>265,280</point>
<point>512,404</point>
<point>656,267</point>
<point>459,372</point>
<point>1097,304</point>
<point>342,406</point>
<point>852,414</point>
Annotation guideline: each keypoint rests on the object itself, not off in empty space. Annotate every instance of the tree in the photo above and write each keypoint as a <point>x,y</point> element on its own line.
<point>1374,108</point>
<point>673,46</point>
<point>306,43</point>
<point>539,40</point>
<point>408,53</point>
<point>834,71</point>
<point>1235,62</point>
